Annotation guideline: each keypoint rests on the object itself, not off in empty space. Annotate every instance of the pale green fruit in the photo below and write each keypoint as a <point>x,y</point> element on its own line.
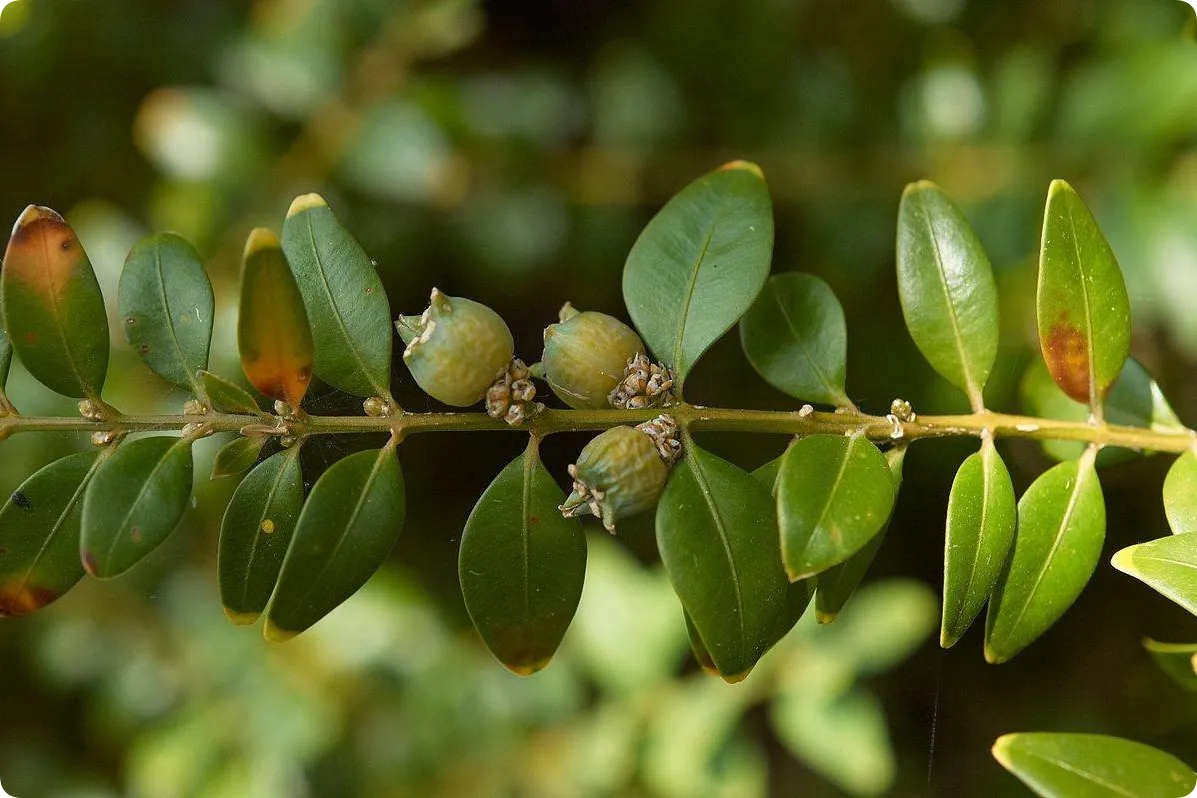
<point>618,474</point>
<point>456,348</point>
<point>585,356</point>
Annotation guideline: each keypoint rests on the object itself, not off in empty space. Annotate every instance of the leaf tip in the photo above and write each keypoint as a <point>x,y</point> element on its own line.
<point>734,678</point>
<point>276,634</point>
<point>948,637</point>
<point>1059,186</point>
<point>305,202</point>
<point>241,618</point>
<point>1123,560</point>
<point>825,617</point>
<point>261,238</point>
<point>1001,749</point>
<point>995,657</point>
<point>744,166</point>
<point>919,186</point>
<point>527,668</point>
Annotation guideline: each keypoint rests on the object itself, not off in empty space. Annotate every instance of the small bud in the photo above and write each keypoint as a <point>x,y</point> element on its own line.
<point>663,431</point>
<point>90,410</point>
<point>376,407</point>
<point>510,396</point>
<point>103,437</point>
<point>644,384</point>
<point>585,355</point>
<point>455,348</point>
<point>618,474</point>
<point>194,407</point>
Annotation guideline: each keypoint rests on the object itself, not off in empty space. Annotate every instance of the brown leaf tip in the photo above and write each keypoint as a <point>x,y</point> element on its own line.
<point>746,166</point>
<point>36,221</point>
<point>22,599</point>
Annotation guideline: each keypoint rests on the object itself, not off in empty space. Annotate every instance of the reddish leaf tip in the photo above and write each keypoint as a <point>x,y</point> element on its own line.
<point>746,166</point>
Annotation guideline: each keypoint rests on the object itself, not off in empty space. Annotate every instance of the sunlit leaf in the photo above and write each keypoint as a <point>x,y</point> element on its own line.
<point>237,455</point>
<point>1178,660</point>
<point>166,307</point>
<point>272,328</point>
<point>1058,765</point>
<point>1082,306</point>
<point>227,397</point>
<point>522,565</point>
<point>795,337</point>
<point>1167,565</point>
<point>134,502</point>
<point>1180,493</point>
<point>53,309</point>
<point>700,263</point>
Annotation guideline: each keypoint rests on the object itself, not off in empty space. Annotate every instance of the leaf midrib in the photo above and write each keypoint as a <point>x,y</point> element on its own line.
<point>691,288</point>
<point>1090,340</point>
<point>170,319</point>
<point>58,325</point>
<point>266,508</point>
<point>835,486</point>
<point>1114,788</point>
<point>720,529</point>
<point>955,321</point>
<point>833,390</point>
<point>116,538</point>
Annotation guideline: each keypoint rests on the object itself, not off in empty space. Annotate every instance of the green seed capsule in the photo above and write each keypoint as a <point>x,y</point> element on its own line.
<point>618,474</point>
<point>455,348</point>
<point>585,356</point>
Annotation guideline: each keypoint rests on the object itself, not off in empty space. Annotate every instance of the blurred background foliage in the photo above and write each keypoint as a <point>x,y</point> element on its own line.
<point>511,151</point>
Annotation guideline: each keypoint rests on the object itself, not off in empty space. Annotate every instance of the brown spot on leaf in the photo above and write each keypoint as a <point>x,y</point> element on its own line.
<point>533,520</point>
<point>41,251</point>
<point>89,562</point>
<point>21,599</point>
<point>1066,351</point>
<point>143,348</point>
<point>31,338</point>
<point>135,533</point>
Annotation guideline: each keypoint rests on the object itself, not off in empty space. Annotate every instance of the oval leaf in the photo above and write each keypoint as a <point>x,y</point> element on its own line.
<point>834,494</point>
<point>946,287</point>
<point>1061,526</point>
<point>345,300</point>
<point>522,565</point>
<point>226,396</point>
<point>1081,305</point>
<point>1057,765</point>
<point>700,263</point>
<point>134,502</point>
<point>717,538</point>
<point>237,455</point>
<point>1180,493</point>
<point>982,514</point>
<point>795,337</point>
<point>39,534</point>
<point>346,530</point>
<point>272,328</point>
<point>166,306</point>
<point>53,309</point>
<point>1167,565</point>
<point>255,533</point>
<point>1178,660</point>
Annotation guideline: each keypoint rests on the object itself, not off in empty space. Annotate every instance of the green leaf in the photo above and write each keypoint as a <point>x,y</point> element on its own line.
<point>6,406</point>
<point>255,533</point>
<point>837,584</point>
<point>347,528</point>
<point>700,263</point>
<point>1178,660</point>
<point>699,648</point>
<point>134,502</point>
<point>522,565</point>
<point>946,287</point>
<point>227,397</point>
<point>1180,493</point>
<point>166,307</point>
<point>237,455</point>
<point>834,494</point>
<point>886,623</point>
<point>345,300</point>
<point>1058,765</point>
<point>1167,565</point>
<point>39,534</point>
<point>1082,306</point>
<point>795,337</point>
<point>1061,526</point>
<point>53,308</point>
<point>982,515</point>
<point>718,540</point>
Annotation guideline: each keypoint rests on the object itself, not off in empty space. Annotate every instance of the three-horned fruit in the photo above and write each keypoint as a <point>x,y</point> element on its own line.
<point>585,355</point>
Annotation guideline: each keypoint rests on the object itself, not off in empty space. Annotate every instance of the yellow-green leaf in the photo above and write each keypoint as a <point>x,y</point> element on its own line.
<point>1059,765</point>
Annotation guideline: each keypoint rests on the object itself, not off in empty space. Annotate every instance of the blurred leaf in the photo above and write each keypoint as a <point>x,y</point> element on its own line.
<point>237,455</point>
<point>1082,306</point>
<point>718,540</point>
<point>1058,765</point>
<point>885,623</point>
<point>795,337</point>
<point>53,308</point>
<point>834,494</point>
<point>522,565</point>
<point>946,287</point>
<point>982,515</point>
<point>1180,493</point>
<point>256,532</point>
<point>39,534</point>
<point>1061,526</point>
<point>134,502</point>
<point>227,397</point>
<point>700,263</point>
<point>345,300</point>
<point>166,307</point>
<point>1178,660</point>
<point>1167,565</point>
<point>346,530</point>
<point>272,327</point>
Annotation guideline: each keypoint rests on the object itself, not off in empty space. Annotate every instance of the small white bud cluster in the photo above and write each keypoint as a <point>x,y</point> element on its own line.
<point>510,396</point>
<point>644,384</point>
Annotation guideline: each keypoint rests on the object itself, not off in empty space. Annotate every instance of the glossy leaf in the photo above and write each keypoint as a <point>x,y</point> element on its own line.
<point>839,582</point>
<point>946,287</point>
<point>345,300</point>
<point>1081,305</point>
<point>1180,493</point>
<point>346,530</point>
<point>522,565</point>
<point>1167,565</point>
<point>698,648</point>
<point>718,541</point>
<point>166,307</point>
<point>227,397</point>
<point>237,455</point>
<point>134,502</point>
<point>700,263</point>
<point>834,494</point>
<point>795,337</point>
<point>39,534</point>
<point>53,309</point>
<point>272,328</point>
<point>256,532</point>
<point>1061,526</point>
<point>1178,660</point>
<point>1058,765</point>
<point>982,515</point>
